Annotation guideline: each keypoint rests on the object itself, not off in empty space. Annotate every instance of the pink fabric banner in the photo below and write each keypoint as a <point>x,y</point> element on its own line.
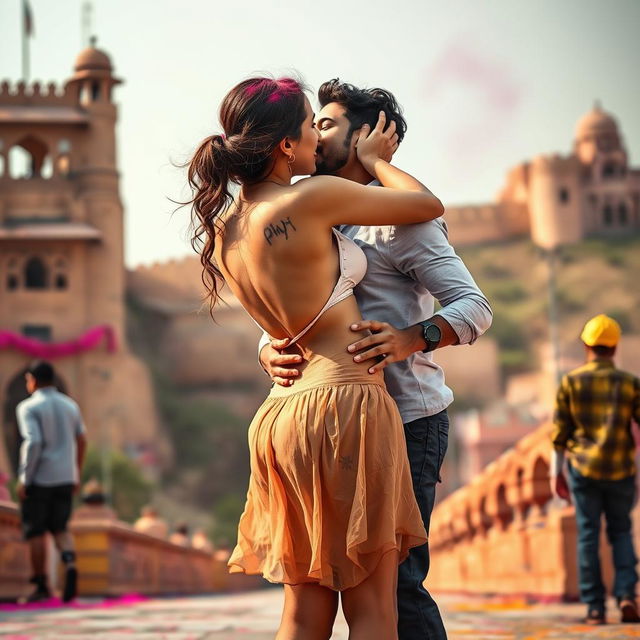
<point>52,350</point>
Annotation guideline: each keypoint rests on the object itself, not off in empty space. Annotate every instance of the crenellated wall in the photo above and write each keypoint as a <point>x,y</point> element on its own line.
<point>475,224</point>
<point>37,94</point>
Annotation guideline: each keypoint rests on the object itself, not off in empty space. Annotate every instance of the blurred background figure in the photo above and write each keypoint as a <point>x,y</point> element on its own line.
<point>594,408</point>
<point>181,535</point>
<point>201,541</point>
<point>94,503</point>
<point>151,523</point>
<point>51,458</point>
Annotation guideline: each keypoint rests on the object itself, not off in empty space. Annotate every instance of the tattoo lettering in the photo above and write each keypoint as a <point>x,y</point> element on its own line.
<point>280,229</point>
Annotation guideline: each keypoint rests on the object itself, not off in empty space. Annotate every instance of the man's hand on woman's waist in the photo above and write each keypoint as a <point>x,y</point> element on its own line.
<point>388,344</point>
<point>280,367</point>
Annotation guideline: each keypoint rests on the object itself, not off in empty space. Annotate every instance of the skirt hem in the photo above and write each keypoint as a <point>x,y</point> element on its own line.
<point>237,566</point>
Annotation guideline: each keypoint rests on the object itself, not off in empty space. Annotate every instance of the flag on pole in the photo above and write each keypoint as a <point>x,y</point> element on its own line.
<point>27,18</point>
<point>27,32</point>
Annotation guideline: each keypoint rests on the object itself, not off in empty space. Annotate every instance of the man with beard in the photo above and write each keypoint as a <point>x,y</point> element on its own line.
<point>408,268</point>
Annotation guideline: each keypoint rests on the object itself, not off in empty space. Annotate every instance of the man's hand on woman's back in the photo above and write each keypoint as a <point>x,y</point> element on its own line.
<point>281,367</point>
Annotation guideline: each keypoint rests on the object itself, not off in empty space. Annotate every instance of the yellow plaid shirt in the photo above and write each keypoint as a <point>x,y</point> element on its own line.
<point>594,408</point>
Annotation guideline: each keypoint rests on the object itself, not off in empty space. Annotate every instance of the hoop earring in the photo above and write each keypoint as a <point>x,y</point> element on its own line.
<point>290,161</point>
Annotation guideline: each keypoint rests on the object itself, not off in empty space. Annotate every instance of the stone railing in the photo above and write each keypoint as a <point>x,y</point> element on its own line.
<point>113,559</point>
<point>14,554</point>
<point>504,534</point>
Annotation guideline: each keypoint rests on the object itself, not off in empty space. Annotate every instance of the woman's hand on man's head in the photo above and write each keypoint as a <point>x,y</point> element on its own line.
<point>377,144</point>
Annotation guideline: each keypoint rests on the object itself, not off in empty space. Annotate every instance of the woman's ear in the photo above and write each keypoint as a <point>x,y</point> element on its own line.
<point>286,147</point>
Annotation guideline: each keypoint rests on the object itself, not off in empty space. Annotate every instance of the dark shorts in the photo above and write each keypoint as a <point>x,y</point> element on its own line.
<point>46,509</point>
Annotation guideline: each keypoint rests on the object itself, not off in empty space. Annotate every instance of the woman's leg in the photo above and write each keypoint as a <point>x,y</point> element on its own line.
<point>309,612</point>
<point>371,608</point>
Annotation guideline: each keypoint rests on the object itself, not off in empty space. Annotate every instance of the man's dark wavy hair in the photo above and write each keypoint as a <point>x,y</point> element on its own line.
<point>363,105</point>
<point>42,371</point>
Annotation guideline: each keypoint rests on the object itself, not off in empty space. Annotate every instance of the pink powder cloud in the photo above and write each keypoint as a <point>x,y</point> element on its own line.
<point>493,92</point>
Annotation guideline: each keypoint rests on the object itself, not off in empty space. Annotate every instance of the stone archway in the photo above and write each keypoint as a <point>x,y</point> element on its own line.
<point>15,393</point>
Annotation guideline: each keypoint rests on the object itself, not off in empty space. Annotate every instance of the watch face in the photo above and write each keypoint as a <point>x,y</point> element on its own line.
<point>432,333</point>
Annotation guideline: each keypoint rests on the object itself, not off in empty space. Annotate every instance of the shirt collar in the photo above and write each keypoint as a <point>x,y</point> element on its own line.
<point>601,363</point>
<point>44,390</point>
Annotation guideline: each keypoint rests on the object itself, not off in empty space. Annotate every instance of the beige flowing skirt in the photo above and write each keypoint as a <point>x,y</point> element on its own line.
<point>330,490</point>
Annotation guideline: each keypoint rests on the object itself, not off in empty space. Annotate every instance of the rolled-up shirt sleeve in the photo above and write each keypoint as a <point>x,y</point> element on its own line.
<point>563,423</point>
<point>264,341</point>
<point>423,252</point>
<point>31,446</point>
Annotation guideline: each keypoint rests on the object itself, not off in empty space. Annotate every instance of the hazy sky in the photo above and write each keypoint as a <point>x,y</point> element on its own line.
<point>484,84</point>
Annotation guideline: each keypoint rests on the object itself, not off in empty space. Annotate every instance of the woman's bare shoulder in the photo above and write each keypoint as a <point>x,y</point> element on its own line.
<point>322,191</point>
<point>319,184</point>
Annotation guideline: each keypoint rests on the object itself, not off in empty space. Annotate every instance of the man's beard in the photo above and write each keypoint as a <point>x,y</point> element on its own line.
<point>328,166</point>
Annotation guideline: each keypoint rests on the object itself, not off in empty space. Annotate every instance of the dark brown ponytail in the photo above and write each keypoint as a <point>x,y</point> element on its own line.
<point>208,177</point>
<point>256,115</point>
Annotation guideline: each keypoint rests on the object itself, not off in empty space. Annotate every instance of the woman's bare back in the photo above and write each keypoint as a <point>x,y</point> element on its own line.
<point>283,267</point>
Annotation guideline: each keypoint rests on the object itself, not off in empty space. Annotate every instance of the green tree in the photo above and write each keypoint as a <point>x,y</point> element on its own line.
<point>130,489</point>
<point>226,514</point>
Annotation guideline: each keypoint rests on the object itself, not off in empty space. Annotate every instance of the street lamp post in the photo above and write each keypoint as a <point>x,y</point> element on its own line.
<point>551,255</point>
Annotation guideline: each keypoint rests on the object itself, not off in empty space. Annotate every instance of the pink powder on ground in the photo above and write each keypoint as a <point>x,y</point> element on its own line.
<point>56,603</point>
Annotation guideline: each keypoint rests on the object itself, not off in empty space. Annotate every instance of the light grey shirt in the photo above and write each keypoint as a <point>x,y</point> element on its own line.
<point>408,267</point>
<point>49,422</point>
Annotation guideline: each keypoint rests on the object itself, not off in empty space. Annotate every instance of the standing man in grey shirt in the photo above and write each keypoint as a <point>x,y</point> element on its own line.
<point>51,457</point>
<point>409,266</point>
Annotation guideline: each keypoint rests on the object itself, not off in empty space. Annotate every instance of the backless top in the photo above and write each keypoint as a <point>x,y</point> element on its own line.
<point>353,266</point>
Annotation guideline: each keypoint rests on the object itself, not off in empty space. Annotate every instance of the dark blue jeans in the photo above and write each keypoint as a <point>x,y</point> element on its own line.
<point>418,615</point>
<point>614,498</point>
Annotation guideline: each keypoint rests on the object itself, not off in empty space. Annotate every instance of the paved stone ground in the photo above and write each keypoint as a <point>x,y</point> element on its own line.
<point>255,616</point>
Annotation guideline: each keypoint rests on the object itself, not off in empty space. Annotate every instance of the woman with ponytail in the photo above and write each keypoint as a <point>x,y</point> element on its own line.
<point>330,507</point>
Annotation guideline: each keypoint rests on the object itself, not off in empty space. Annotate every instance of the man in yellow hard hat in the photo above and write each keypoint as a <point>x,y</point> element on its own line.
<point>595,406</point>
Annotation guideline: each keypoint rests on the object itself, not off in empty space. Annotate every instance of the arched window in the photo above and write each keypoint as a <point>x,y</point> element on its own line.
<point>40,332</point>
<point>60,280</point>
<point>609,170</point>
<point>563,195</point>
<point>12,282</point>
<point>95,91</point>
<point>607,215</point>
<point>623,215</point>
<point>84,95</point>
<point>27,157</point>
<point>505,510</point>
<point>13,279</point>
<point>47,168</point>
<point>62,161</point>
<point>62,165</point>
<point>20,163</point>
<point>35,274</point>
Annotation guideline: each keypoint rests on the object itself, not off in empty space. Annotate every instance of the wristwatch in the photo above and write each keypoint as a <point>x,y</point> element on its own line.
<point>431,334</point>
